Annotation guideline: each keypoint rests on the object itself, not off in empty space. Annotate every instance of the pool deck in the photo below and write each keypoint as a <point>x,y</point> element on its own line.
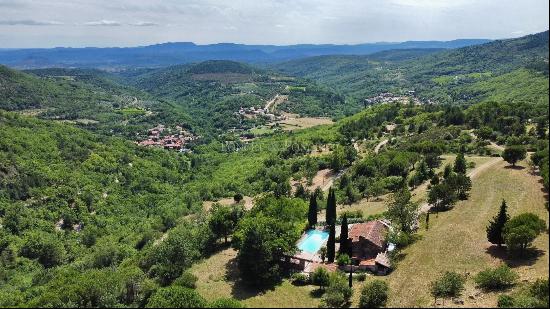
<point>315,257</point>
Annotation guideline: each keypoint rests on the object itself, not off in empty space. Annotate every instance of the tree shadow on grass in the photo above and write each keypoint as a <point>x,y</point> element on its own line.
<point>239,289</point>
<point>517,167</point>
<point>543,189</point>
<point>317,293</point>
<point>528,258</point>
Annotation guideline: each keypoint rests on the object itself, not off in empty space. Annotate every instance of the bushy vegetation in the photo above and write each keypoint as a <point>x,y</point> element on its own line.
<point>450,284</point>
<point>374,294</point>
<point>535,295</point>
<point>520,231</point>
<point>499,278</point>
<point>266,235</point>
<point>338,292</point>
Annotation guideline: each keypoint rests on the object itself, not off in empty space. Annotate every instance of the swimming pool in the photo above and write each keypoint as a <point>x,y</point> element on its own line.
<point>313,241</point>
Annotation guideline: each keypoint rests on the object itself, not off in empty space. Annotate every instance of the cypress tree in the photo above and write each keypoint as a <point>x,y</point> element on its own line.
<point>331,208</point>
<point>331,244</point>
<point>344,236</point>
<point>496,226</point>
<point>460,164</point>
<point>312,213</point>
<point>328,208</point>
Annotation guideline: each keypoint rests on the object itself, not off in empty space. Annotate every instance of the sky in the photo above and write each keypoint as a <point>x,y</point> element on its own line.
<point>101,23</point>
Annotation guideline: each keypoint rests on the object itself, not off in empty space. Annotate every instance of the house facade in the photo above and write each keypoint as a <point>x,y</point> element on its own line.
<point>368,242</point>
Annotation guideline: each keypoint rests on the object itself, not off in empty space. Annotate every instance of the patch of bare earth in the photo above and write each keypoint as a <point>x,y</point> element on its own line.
<point>247,200</point>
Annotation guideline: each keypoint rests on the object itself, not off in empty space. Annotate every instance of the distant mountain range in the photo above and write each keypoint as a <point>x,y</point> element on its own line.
<point>167,54</point>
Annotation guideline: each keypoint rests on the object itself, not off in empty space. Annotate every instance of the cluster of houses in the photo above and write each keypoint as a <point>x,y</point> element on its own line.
<point>160,136</point>
<point>256,112</point>
<point>388,97</point>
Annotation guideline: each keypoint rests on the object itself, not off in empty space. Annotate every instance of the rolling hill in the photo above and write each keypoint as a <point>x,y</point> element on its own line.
<point>91,99</point>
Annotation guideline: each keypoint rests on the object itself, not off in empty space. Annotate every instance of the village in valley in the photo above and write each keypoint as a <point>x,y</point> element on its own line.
<point>168,138</point>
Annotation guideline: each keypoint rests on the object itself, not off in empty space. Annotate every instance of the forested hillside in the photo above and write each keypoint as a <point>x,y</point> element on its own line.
<point>213,91</point>
<point>440,76</point>
<point>91,99</point>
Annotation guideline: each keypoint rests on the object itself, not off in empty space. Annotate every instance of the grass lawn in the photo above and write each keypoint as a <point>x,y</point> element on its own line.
<point>218,277</point>
<point>259,131</point>
<point>132,111</point>
<point>456,240</point>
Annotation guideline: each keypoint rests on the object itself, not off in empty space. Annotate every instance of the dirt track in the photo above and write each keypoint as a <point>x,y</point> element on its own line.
<point>472,174</point>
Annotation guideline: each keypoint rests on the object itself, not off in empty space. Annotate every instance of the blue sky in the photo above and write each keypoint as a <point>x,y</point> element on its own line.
<point>76,23</point>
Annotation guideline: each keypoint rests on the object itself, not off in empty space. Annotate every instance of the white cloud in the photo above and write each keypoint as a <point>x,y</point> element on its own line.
<point>144,24</point>
<point>103,22</point>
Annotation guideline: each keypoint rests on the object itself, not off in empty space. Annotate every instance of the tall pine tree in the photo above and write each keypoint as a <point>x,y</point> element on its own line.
<point>331,244</point>
<point>494,230</point>
<point>344,241</point>
<point>312,213</point>
<point>460,164</point>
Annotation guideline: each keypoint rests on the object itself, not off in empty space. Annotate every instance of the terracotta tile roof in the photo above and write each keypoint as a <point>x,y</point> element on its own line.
<point>369,262</point>
<point>383,260</point>
<point>373,231</point>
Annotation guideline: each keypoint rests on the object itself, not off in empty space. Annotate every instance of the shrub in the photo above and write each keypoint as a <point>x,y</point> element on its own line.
<point>237,197</point>
<point>300,279</point>
<point>320,277</point>
<point>533,296</point>
<point>374,294</point>
<point>496,279</point>
<point>343,259</point>
<point>539,290</point>
<point>352,214</point>
<point>450,284</point>
<point>186,280</point>
<point>176,297</point>
<point>505,301</point>
<point>338,293</point>
<point>361,277</point>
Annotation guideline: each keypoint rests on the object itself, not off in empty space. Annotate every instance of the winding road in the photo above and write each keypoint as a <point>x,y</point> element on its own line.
<point>380,145</point>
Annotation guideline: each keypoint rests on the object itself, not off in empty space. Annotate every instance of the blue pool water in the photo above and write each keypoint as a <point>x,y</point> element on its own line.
<point>313,241</point>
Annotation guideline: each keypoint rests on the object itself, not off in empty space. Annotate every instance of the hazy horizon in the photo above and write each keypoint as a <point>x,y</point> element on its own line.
<point>102,23</point>
<point>266,44</point>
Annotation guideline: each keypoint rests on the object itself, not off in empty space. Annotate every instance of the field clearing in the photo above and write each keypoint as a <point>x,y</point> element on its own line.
<point>226,78</point>
<point>218,277</point>
<point>296,123</point>
<point>456,239</point>
<point>32,111</point>
<point>247,200</point>
<point>259,131</point>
